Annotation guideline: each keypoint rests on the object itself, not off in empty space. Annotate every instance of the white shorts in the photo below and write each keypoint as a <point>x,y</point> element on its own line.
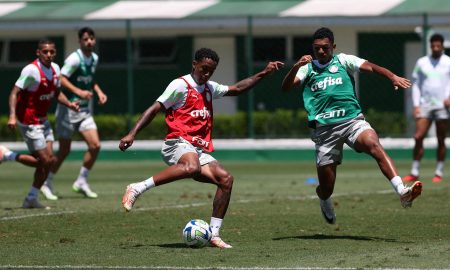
<point>65,128</point>
<point>433,113</point>
<point>37,136</point>
<point>330,139</point>
<point>174,149</point>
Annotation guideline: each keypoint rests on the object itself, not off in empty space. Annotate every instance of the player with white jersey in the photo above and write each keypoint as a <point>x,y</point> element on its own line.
<point>78,79</point>
<point>334,113</point>
<point>29,102</point>
<point>431,92</point>
<point>189,117</point>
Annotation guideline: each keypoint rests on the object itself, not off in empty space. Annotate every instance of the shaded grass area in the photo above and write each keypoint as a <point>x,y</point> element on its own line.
<point>273,220</point>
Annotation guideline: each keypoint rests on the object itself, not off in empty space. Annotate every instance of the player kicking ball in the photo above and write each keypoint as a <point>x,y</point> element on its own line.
<point>189,117</point>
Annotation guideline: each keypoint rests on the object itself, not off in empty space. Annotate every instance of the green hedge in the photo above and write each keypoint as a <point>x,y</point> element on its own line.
<point>275,124</point>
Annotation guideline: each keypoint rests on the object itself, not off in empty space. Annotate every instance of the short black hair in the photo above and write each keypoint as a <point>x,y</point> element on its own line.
<point>437,37</point>
<point>205,53</point>
<point>44,41</point>
<point>322,33</point>
<point>83,30</point>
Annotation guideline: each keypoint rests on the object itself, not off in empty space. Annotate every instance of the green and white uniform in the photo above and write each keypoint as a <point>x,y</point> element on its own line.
<point>329,90</point>
<point>332,106</point>
<point>80,71</point>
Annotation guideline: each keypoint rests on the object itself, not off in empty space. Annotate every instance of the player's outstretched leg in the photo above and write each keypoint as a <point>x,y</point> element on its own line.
<point>409,194</point>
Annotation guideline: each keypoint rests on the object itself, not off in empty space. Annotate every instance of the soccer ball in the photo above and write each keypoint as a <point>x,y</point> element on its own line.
<point>197,233</point>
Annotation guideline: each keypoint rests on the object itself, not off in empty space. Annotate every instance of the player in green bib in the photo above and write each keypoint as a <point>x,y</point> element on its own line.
<point>335,115</point>
<point>78,80</point>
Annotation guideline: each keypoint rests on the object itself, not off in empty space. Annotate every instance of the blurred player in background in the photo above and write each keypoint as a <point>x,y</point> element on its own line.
<point>29,102</point>
<point>335,115</point>
<point>431,92</point>
<point>78,78</point>
<point>189,115</point>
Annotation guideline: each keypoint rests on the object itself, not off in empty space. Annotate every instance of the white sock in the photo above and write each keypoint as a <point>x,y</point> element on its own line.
<point>439,168</point>
<point>10,156</point>
<point>415,168</point>
<point>397,184</point>
<point>33,193</point>
<point>215,225</point>
<point>82,177</point>
<point>144,185</point>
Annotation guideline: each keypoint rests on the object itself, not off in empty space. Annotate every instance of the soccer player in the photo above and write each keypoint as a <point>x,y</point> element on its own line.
<point>187,101</point>
<point>431,92</point>
<point>29,102</point>
<point>78,78</point>
<point>334,113</point>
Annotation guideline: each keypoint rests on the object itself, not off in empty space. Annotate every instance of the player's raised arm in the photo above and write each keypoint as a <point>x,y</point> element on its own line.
<point>397,81</point>
<point>291,80</point>
<point>145,119</point>
<point>248,83</point>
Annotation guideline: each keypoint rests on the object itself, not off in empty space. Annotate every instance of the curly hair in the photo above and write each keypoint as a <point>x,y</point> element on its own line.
<point>205,53</point>
<point>437,37</point>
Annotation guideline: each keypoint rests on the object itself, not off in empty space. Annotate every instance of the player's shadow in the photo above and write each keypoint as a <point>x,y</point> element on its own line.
<point>137,246</point>
<point>173,245</point>
<point>340,237</point>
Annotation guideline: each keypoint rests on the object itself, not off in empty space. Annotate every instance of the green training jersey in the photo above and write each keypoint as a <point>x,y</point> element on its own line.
<point>80,70</point>
<point>329,90</point>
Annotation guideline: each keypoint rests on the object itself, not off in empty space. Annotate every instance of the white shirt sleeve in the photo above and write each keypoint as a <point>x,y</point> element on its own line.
<point>352,63</point>
<point>415,87</point>
<point>29,79</point>
<point>217,90</point>
<point>302,72</point>
<point>175,94</point>
<point>70,65</point>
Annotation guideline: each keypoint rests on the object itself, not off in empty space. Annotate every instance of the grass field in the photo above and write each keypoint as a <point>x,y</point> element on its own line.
<point>273,221</point>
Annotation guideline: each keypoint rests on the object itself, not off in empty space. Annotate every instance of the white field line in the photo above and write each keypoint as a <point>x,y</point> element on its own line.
<point>163,267</point>
<point>180,206</point>
<point>9,266</point>
<point>37,215</point>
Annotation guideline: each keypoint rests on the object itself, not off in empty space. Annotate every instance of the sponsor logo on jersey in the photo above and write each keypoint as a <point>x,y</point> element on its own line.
<point>331,114</point>
<point>204,113</point>
<point>328,81</point>
<point>47,96</point>
<point>85,79</point>
<point>200,141</point>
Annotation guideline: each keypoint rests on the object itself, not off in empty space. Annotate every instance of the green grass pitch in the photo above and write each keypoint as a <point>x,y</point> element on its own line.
<point>273,221</point>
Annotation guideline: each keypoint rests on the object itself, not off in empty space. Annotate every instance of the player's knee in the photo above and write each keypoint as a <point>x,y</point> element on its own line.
<point>45,161</point>
<point>95,147</point>
<point>192,169</point>
<point>226,182</point>
<point>419,138</point>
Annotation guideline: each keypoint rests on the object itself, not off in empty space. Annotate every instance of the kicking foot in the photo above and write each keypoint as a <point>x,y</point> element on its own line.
<point>216,241</point>
<point>130,197</point>
<point>409,194</point>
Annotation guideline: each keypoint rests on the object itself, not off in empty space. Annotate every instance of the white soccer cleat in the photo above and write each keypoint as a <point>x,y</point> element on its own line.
<point>130,197</point>
<point>409,194</point>
<point>48,193</point>
<point>85,190</point>
<point>34,203</point>
<point>216,241</point>
<point>326,207</point>
<point>3,151</point>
